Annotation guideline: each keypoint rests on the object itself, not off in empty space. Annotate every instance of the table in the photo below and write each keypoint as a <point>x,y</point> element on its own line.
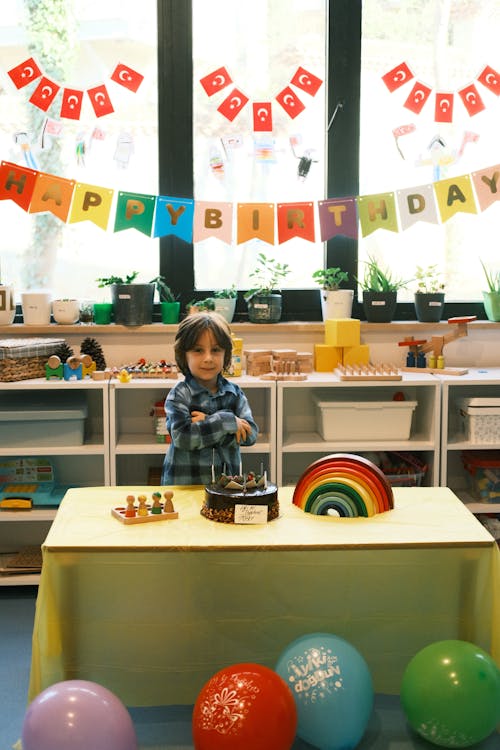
<point>152,611</point>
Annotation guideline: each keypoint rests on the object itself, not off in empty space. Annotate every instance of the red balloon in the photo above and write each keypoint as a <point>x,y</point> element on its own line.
<point>244,707</point>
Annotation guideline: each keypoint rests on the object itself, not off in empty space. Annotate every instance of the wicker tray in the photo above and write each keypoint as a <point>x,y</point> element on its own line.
<point>23,359</point>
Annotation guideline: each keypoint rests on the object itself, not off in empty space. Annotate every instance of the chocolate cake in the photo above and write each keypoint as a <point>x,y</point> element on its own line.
<point>223,495</point>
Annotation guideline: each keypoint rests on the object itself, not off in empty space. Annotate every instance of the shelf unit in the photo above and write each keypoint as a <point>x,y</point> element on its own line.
<point>133,447</point>
<point>484,382</point>
<point>299,443</point>
<point>82,465</point>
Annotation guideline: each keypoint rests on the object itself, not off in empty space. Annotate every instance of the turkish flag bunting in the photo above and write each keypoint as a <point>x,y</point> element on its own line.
<point>262,117</point>
<point>471,99</point>
<point>216,81</point>
<point>443,111</point>
<point>127,77</point>
<point>290,102</point>
<point>397,77</point>
<point>99,98</point>
<point>24,73</point>
<point>491,79</point>
<point>71,104</point>
<point>306,81</point>
<point>417,98</point>
<point>232,104</point>
<point>44,94</point>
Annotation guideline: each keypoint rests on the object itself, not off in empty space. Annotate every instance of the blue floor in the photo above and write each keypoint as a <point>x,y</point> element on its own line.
<point>162,727</point>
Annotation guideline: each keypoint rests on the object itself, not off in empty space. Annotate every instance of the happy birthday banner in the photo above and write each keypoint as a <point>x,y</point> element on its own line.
<point>193,221</point>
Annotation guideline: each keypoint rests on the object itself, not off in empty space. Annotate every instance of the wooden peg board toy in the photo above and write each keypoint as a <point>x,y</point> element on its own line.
<point>144,511</point>
<point>368,372</point>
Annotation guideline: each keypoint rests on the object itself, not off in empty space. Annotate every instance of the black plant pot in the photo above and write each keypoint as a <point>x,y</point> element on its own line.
<point>132,304</point>
<point>379,307</point>
<point>265,308</point>
<point>429,306</point>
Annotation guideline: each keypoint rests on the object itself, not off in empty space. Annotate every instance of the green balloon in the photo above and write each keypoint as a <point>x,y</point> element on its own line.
<point>450,694</point>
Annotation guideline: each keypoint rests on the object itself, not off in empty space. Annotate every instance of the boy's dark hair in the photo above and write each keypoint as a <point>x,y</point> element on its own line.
<point>190,330</point>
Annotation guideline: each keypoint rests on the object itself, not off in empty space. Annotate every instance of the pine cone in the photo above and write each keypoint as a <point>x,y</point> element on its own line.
<point>92,346</point>
<point>64,351</point>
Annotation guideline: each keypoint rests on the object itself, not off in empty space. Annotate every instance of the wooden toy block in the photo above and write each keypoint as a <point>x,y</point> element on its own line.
<point>368,372</point>
<point>356,355</point>
<point>304,361</point>
<point>342,332</point>
<point>326,357</point>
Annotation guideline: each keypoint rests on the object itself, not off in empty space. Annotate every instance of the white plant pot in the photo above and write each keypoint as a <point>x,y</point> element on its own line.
<point>225,307</point>
<point>66,311</point>
<point>7,305</point>
<point>36,308</point>
<point>336,304</point>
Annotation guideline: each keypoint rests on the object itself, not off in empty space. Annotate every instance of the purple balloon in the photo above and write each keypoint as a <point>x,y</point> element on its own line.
<point>80,715</point>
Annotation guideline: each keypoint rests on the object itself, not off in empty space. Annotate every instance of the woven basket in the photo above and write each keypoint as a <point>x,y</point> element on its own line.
<point>23,368</point>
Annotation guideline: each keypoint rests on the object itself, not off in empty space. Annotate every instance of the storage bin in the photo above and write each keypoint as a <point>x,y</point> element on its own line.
<point>483,469</point>
<point>363,420</point>
<point>42,419</point>
<point>480,419</point>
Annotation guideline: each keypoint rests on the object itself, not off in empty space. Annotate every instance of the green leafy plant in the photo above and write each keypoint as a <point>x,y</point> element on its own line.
<point>226,293</point>
<point>330,278</point>
<point>267,276</point>
<point>109,280</point>
<point>492,279</point>
<point>165,294</point>
<point>378,279</point>
<point>201,305</point>
<point>428,281</point>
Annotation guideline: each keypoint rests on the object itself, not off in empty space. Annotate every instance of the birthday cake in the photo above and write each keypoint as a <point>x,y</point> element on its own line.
<point>223,495</point>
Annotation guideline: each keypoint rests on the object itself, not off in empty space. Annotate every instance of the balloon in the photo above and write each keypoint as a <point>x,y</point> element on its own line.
<point>80,715</point>
<point>244,707</point>
<point>450,693</point>
<point>332,687</point>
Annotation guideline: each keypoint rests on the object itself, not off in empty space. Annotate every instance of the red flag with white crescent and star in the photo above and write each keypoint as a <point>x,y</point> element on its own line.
<point>24,73</point>
<point>44,94</point>
<point>127,77</point>
<point>417,97</point>
<point>216,81</point>
<point>306,81</point>
<point>71,104</point>
<point>99,98</point>
<point>397,76</point>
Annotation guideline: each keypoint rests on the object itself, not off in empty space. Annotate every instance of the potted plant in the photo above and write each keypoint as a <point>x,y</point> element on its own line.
<point>225,302</point>
<point>169,305</point>
<point>132,302</point>
<point>491,298</point>
<point>335,302</point>
<point>380,289</point>
<point>264,300</point>
<point>201,305</point>
<point>66,311</point>
<point>429,294</point>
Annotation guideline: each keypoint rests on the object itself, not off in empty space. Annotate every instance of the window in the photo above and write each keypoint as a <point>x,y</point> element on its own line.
<point>78,44</point>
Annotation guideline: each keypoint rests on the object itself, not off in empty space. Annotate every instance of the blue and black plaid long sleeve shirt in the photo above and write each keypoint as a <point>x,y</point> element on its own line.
<point>196,445</point>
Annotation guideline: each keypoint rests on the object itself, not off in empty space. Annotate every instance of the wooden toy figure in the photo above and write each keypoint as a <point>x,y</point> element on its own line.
<point>54,368</point>
<point>88,365</point>
<point>143,509</point>
<point>130,512</point>
<point>169,506</point>
<point>157,508</point>
<point>73,369</point>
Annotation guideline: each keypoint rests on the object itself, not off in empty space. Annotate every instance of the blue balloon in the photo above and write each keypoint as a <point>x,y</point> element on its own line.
<point>332,688</point>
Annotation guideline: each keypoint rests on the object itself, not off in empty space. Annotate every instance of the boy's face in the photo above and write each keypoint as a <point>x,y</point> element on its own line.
<point>206,360</point>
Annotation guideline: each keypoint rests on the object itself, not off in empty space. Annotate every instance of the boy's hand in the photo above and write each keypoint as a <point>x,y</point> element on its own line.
<point>243,429</point>
<point>197,416</point>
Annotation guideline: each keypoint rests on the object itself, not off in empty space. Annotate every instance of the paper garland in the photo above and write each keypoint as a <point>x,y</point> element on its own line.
<point>159,216</point>
<point>444,100</point>
<point>46,90</point>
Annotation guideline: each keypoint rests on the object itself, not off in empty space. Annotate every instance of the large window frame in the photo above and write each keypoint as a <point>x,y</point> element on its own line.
<point>175,112</point>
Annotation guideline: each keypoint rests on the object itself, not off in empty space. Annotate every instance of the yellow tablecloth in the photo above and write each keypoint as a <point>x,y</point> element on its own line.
<point>151,611</point>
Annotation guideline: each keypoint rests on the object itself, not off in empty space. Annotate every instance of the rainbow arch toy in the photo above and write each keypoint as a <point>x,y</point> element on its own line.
<point>343,484</point>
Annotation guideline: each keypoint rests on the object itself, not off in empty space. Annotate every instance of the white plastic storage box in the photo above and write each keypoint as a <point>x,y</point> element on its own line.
<point>363,420</point>
<point>480,419</point>
<point>42,419</point>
